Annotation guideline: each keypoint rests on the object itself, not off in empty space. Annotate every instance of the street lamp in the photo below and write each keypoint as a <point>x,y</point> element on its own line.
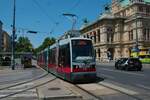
<point>34,32</point>
<point>13,37</point>
<point>136,40</point>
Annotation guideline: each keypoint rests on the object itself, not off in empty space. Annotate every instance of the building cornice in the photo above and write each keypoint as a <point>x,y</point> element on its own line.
<point>130,5</point>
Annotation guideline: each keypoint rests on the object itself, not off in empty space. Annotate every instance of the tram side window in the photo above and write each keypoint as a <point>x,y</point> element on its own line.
<point>64,55</point>
<point>45,57</point>
<point>53,56</point>
<point>50,56</point>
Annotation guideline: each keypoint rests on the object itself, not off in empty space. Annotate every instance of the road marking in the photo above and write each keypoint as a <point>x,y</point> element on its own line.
<point>143,86</point>
<point>91,86</point>
<point>25,95</point>
<point>2,95</point>
<point>127,91</point>
<point>106,76</point>
<point>20,88</point>
<point>122,72</point>
<point>8,91</point>
<point>21,95</point>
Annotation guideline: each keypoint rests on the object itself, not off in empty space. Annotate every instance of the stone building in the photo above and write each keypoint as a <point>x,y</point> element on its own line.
<point>5,40</point>
<point>1,24</point>
<point>120,29</point>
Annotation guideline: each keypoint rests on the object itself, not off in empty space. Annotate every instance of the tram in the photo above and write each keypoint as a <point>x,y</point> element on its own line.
<point>71,59</point>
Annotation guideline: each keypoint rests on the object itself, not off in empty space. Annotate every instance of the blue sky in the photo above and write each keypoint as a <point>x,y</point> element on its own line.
<point>42,16</point>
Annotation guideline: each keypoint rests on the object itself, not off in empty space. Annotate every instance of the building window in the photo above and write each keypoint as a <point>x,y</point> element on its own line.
<point>131,35</point>
<point>140,9</point>
<point>147,10</point>
<point>94,33</point>
<point>108,37</point>
<point>87,36</point>
<point>98,34</point>
<point>146,34</point>
<point>99,53</point>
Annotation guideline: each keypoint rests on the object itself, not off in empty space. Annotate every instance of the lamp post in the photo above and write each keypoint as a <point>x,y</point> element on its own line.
<point>136,40</point>
<point>13,37</point>
<point>136,43</point>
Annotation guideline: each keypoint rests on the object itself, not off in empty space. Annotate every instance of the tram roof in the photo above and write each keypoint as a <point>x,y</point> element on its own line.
<point>65,41</point>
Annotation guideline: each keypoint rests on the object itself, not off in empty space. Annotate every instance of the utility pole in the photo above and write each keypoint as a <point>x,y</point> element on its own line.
<point>136,43</point>
<point>73,19</point>
<point>13,37</point>
<point>136,40</point>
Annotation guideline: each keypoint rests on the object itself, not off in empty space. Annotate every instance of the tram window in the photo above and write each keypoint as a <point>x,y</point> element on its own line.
<point>50,56</point>
<point>53,56</point>
<point>64,55</point>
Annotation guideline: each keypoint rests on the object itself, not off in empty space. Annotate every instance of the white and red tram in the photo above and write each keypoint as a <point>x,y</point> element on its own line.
<point>71,59</point>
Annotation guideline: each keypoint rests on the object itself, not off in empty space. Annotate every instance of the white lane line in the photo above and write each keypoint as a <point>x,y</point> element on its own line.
<point>106,76</point>
<point>2,95</point>
<point>122,72</point>
<point>127,91</point>
<point>11,91</point>
<point>143,86</point>
<point>22,86</point>
<point>29,93</point>
<point>91,86</point>
<point>25,95</point>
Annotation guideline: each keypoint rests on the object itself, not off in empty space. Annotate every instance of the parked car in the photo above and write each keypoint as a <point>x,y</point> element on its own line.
<point>128,64</point>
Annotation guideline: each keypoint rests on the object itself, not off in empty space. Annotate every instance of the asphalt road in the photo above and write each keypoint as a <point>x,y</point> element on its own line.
<point>126,81</point>
<point>20,74</point>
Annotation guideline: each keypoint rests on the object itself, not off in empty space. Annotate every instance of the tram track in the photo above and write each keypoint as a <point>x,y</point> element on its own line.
<point>98,97</point>
<point>39,82</point>
<point>23,82</point>
<point>90,93</point>
<point>115,89</point>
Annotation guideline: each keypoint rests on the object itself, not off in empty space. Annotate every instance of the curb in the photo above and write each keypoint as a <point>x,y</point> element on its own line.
<point>56,91</point>
<point>66,97</point>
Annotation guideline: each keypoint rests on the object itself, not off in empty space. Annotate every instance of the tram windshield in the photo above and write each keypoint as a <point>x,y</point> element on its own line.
<point>82,50</point>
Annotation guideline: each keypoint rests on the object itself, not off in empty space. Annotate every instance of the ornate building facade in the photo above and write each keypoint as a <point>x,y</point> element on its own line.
<point>117,31</point>
<point>5,40</point>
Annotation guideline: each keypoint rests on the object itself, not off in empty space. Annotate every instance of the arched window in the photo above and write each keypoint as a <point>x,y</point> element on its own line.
<point>99,53</point>
<point>98,34</point>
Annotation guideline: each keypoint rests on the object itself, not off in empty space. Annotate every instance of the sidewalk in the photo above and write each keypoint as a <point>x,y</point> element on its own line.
<point>10,77</point>
<point>56,90</point>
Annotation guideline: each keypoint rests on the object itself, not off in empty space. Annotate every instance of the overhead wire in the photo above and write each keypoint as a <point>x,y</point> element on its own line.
<point>75,5</point>
<point>47,15</point>
<point>43,11</point>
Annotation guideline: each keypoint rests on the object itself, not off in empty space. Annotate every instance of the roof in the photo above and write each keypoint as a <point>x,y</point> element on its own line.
<point>107,15</point>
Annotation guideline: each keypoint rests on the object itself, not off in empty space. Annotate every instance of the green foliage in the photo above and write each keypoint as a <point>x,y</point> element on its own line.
<point>46,43</point>
<point>23,45</point>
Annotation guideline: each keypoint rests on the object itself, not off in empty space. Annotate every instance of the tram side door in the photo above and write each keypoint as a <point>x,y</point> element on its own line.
<point>61,61</point>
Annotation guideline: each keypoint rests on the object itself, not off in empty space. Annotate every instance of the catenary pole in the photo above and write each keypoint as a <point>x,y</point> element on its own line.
<point>13,37</point>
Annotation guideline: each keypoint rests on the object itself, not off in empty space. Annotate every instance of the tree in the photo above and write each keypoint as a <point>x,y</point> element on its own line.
<point>23,45</point>
<point>46,43</point>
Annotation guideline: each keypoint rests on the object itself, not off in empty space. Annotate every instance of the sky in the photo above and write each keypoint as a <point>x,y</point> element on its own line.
<point>46,16</point>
